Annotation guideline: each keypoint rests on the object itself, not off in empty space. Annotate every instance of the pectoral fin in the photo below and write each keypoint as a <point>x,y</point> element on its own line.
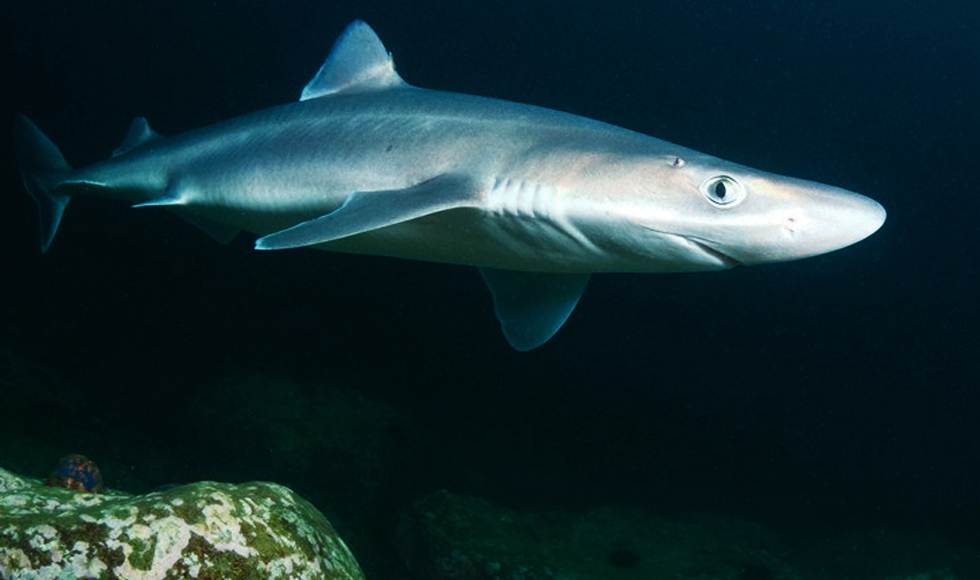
<point>532,306</point>
<point>370,210</point>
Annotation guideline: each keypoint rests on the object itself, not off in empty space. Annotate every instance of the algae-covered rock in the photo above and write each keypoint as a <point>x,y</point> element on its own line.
<point>277,424</point>
<point>446,536</point>
<point>203,530</point>
<point>351,453</point>
<point>452,537</point>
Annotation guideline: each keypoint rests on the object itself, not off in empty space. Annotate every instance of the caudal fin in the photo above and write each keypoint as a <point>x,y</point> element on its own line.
<point>42,168</point>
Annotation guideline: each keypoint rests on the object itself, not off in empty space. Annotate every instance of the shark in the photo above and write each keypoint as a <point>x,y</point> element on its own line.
<point>537,199</point>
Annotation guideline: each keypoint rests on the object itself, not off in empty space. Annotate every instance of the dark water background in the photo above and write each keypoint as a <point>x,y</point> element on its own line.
<point>837,390</point>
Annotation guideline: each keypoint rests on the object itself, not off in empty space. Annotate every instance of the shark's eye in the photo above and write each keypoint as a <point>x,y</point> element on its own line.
<point>723,191</point>
<point>719,191</point>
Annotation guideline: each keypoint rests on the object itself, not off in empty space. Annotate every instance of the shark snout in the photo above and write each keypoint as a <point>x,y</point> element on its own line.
<point>829,219</point>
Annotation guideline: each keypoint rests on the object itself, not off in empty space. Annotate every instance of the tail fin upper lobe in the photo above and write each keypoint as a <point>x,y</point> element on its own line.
<point>42,168</point>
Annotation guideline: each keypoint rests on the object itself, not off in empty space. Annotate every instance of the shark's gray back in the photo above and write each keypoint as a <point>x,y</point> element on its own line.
<point>412,130</point>
<point>293,162</point>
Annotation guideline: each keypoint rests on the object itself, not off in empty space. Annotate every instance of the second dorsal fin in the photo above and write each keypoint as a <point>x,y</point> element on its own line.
<point>138,134</point>
<point>357,62</point>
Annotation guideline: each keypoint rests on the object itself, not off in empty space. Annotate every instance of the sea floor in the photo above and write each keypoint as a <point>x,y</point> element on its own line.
<point>400,489</point>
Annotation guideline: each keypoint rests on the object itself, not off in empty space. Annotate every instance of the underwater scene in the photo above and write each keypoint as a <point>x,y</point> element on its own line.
<point>510,290</point>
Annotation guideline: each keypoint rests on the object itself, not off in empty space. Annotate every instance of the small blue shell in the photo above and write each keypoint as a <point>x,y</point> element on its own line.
<point>78,473</point>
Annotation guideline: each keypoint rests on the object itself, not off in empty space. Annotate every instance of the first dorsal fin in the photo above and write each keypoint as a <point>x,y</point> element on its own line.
<point>138,134</point>
<point>357,62</point>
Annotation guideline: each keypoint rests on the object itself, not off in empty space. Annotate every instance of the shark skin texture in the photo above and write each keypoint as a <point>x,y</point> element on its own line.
<point>537,199</point>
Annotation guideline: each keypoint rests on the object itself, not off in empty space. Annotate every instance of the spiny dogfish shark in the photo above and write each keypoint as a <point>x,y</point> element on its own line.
<point>537,199</point>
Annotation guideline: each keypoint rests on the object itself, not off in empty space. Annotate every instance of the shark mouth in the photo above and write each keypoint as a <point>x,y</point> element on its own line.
<point>713,253</point>
<point>701,245</point>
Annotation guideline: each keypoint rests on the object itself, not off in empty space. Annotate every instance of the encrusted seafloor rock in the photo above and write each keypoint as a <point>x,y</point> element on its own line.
<point>452,537</point>
<point>204,530</point>
<point>445,536</point>
<point>350,453</point>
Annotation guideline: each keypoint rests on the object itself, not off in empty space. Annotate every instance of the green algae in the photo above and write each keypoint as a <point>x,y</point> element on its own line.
<point>141,558</point>
<point>202,530</point>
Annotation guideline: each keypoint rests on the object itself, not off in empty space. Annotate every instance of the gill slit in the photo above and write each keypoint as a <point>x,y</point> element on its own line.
<point>537,203</point>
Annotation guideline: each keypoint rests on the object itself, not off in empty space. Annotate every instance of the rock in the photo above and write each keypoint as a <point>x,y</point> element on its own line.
<point>276,425</point>
<point>451,537</point>
<point>202,530</point>
<point>344,450</point>
<point>889,553</point>
<point>936,575</point>
<point>446,536</point>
